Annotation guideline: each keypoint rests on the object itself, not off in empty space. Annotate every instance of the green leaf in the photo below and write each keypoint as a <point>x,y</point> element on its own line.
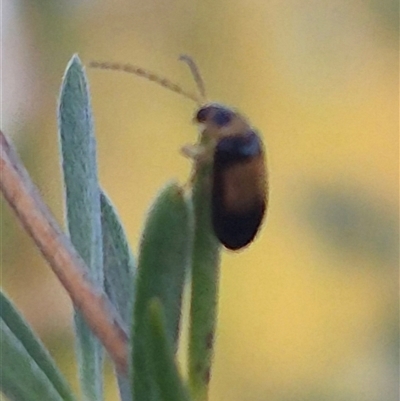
<point>78,148</point>
<point>18,332</point>
<point>119,273</point>
<point>21,377</point>
<point>163,262</point>
<point>204,290</point>
<point>20,348</point>
<point>162,361</point>
<point>119,264</point>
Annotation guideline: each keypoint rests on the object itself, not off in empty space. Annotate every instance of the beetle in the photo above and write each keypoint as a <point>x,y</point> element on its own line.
<point>239,189</point>
<point>239,185</point>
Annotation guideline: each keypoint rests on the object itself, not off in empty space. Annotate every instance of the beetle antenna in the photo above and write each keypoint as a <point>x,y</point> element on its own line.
<point>141,72</point>
<point>194,69</point>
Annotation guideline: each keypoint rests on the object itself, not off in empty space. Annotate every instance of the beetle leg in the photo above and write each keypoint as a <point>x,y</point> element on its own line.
<point>200,155</point>
<point>194,152</point>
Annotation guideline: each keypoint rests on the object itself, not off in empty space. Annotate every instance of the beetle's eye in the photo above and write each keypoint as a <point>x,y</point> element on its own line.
<point>222,117</point>
<point>202,114</point>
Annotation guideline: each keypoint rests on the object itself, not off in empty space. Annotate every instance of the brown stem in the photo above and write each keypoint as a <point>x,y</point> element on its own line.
<point>32,212</point>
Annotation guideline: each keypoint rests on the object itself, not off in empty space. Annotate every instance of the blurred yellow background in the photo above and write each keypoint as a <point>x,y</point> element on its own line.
<point>308,312</point>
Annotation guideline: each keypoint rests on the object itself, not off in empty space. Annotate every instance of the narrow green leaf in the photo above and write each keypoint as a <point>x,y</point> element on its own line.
<point>119,273</point>
<point>163,262</point>
<point>20,377</point>
<point>34,347</point>
<point>119,264</point>
<point>78,148</point>
<point>162,361</point>
<point>204,290</point>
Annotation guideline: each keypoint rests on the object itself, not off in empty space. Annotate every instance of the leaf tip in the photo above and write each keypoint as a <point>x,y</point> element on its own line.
<point>174,189</point>
<point>74,68</point>
<point>75,61</point>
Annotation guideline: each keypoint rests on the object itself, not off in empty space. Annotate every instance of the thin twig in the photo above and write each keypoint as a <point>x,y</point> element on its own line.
<point>25,200</point>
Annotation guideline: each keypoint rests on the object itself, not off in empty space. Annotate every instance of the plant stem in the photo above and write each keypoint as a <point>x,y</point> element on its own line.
<point>24,198</point>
